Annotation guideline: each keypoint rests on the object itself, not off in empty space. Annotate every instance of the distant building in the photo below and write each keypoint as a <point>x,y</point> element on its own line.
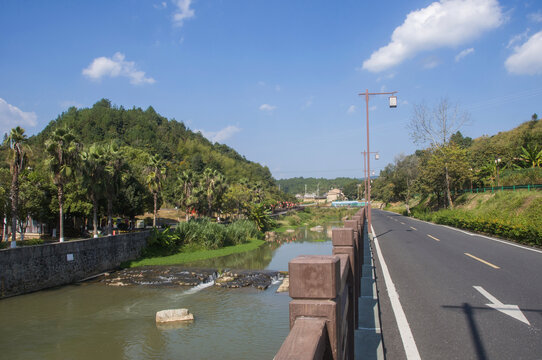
<point>334,195</point>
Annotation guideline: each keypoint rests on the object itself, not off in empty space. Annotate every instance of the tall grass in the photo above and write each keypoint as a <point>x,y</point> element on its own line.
<point>200,234</point>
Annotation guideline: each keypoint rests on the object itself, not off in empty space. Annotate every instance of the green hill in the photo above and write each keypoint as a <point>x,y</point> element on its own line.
<point>148,131</point>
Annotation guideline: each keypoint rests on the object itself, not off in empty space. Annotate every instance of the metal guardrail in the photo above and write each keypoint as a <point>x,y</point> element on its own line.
<point>325,292</point>
<point>499,188</point>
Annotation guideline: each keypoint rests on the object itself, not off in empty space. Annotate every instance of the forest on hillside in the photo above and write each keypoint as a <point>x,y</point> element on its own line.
<point>93,164</point>
<point>296,185</point>
<point>454,163</point>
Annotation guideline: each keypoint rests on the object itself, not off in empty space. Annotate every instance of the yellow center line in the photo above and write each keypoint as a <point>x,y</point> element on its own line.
<point>483,261</point>
<point>432,237</point>
<point>413,228</point>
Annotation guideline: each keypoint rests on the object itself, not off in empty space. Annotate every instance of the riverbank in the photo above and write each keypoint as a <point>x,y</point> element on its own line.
<point>187,255</point>
<point>312,216</point>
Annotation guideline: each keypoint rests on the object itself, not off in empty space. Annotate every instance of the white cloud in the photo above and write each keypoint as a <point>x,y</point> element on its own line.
<point>535,17</point>
<point>527,58</point>
<point>430,62</point>
<point>267,107</point>
<point>114,67</point>
<point>463,53</point>
<point>446,23</point>
<point>11,116</point>
<point>384,77</point>
<point>351,109</point>
<point>183,12</point>
<point>161,5</point>
<point>277,88</point>
<point>518,38</point>
<point>221,135</point>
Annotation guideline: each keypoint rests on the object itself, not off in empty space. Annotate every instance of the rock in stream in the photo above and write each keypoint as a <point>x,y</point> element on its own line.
<point>172,276</point>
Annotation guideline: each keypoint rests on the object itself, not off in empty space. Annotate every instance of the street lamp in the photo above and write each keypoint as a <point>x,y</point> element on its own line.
<point>497,162</point>
<point>366,174</point>
<point>393,104</point>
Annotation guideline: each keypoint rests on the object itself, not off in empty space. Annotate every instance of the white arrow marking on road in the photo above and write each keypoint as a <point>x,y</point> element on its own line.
<point>510,310</point>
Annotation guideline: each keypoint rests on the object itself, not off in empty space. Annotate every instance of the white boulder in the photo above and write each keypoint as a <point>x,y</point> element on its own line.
<point>173,315</point>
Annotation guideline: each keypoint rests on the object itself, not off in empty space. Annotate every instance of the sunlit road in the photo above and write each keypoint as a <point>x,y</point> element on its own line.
<point>464,296</point>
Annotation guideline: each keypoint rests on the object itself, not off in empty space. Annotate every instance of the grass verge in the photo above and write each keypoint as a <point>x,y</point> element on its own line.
<point>184,257</point>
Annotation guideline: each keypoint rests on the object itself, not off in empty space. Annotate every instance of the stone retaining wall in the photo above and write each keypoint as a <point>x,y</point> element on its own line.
<point>32,268</point>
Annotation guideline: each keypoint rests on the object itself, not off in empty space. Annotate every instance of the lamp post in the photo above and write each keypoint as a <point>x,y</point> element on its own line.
<point>366,173</point>
<point>393,104</point>
<point>497,162</point>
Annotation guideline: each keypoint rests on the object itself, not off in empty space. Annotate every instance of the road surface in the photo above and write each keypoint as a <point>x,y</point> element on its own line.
<point>463,296</point>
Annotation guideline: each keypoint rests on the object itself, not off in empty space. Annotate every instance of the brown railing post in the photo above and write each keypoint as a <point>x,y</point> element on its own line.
<point>324,290</point>
<point>319,291</point>
<point>344,242</point>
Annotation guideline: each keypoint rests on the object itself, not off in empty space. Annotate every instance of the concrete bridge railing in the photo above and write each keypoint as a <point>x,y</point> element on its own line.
<point>325,292</point>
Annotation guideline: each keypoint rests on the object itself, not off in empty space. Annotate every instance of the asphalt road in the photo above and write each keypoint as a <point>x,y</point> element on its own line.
<point>444,278</point>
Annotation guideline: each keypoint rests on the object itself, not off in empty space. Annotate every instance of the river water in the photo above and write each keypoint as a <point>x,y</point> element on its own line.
<point>95,321</point>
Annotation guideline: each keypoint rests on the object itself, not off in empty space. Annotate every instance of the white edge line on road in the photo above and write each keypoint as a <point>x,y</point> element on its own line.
<point>473,234</point>
<point>409,344</point>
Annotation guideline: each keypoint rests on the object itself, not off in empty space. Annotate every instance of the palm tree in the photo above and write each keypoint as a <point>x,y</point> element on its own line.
<point>16,140</point>
<point>214,185</point>
<point>531,155</point>
<point>156,173</point>
<point>187,181</point>
<point>63,150</point>
<point>114,167</point>
<point>93,174</point>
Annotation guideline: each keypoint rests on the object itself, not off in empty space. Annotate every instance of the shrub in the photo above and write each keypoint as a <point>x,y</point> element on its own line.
<point>200,233</point>
<point>294,220</point>
<point>240,231</point>
<point>521,230</point>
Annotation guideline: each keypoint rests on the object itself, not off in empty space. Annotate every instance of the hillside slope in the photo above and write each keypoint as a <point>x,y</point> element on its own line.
<point>148,131</point>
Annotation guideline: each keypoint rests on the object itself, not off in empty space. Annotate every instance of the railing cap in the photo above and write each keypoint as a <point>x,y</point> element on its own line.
<point>343,236</point>
<point>314,277</point>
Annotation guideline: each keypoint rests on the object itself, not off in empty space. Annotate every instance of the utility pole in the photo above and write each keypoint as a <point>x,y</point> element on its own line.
<point>393,104</point>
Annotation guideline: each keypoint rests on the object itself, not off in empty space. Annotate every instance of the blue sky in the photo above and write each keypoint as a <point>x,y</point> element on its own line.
<point>276,80</point>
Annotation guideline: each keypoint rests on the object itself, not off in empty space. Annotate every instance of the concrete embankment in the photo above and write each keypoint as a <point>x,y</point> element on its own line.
<point>32,268</point>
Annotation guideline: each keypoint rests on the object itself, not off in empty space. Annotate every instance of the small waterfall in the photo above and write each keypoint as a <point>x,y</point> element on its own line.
<point>209,282</point>
<point>276,278</point>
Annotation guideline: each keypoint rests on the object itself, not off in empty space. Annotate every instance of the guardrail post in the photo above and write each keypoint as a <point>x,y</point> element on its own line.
<point>343,243</point>
<point>359,244</point>
<point>315,284</point>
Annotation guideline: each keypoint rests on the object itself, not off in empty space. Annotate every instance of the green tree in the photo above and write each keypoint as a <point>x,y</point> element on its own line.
<point>34,198</point>
<point>531,156</point>
<point>114,171</point>
<point>93,170</point>
<point>460,140</point>
<point>351,190</point>
<point>156,173</point>
<point>214,185</point>
<point>16,140</point>
<point>63,150</point>
<point>5,203</point>
<point>436,126</point>
<point>187,182</point>
<point>436,164</point>
<point>405,178</point>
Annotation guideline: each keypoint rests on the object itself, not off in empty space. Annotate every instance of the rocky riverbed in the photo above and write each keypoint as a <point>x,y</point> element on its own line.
<point>173,276</point>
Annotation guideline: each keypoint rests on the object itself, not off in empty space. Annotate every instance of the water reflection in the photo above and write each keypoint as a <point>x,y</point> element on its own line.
<point>277,252</point>
<point>93,320</point>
